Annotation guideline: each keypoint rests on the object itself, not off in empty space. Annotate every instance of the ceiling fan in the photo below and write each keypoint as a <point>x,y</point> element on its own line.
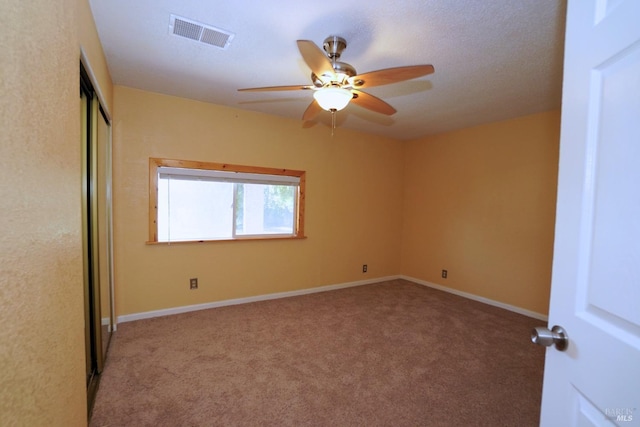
<point>336,83</point>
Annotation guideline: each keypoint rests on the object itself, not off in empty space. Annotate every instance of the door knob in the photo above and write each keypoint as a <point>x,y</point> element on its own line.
<point>557,335</point>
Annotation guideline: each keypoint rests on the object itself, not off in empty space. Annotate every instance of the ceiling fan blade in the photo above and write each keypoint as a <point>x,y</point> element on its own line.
<point>312,111</point>
<point>372,103</point>
<point>390,75</point>
<point>315,58</point>
<point>275,88</point>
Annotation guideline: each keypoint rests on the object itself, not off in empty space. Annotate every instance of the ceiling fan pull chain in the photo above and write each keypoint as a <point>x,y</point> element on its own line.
<point>333,121</point>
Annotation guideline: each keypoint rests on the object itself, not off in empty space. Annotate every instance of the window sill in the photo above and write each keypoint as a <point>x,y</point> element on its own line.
<point>238,239</point>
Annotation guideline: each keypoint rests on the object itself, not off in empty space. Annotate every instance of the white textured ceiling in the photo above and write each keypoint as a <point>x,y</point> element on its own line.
<point>493,59</point>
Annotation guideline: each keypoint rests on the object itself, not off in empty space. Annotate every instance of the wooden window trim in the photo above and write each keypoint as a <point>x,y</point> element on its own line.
<point>155,163</point>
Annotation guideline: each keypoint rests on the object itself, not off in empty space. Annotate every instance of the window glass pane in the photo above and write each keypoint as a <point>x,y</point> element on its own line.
<point>194,210</point>
<point>265,209</point>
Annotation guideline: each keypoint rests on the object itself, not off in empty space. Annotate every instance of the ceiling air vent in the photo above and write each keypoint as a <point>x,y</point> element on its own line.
<point>200,32</point>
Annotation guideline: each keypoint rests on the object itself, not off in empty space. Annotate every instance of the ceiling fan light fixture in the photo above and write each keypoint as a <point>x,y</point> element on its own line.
<point>333,98</point>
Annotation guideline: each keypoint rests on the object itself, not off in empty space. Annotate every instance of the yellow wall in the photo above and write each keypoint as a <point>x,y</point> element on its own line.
<point>480,203</point>
<point>42,361</point>
<point>353,203</point>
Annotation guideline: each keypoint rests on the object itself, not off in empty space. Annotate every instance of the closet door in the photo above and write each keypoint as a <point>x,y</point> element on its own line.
<point>104,247</point>
<point>96,230</point>
<point>89,336</point>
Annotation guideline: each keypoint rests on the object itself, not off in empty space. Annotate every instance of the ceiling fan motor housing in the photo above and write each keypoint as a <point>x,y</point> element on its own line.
<point>342,70</point>
<point>334,46</point>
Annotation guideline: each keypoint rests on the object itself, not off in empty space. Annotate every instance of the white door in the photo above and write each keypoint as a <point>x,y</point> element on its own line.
<point>595,292</point>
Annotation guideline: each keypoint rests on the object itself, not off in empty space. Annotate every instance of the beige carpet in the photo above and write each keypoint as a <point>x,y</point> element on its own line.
<point>389,354</point>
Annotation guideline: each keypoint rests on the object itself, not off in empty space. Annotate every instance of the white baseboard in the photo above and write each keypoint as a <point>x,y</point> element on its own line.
<point>205,306</point>
<point>224,303</point>
<point>509,307</point>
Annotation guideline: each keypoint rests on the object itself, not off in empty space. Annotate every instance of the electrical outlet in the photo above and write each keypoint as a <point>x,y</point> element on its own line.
<point>193,283</point>
<point>364,268</point>
<point>444,274</point>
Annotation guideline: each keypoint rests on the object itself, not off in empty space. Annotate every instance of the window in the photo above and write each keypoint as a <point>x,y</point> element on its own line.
<point>197,201</point>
